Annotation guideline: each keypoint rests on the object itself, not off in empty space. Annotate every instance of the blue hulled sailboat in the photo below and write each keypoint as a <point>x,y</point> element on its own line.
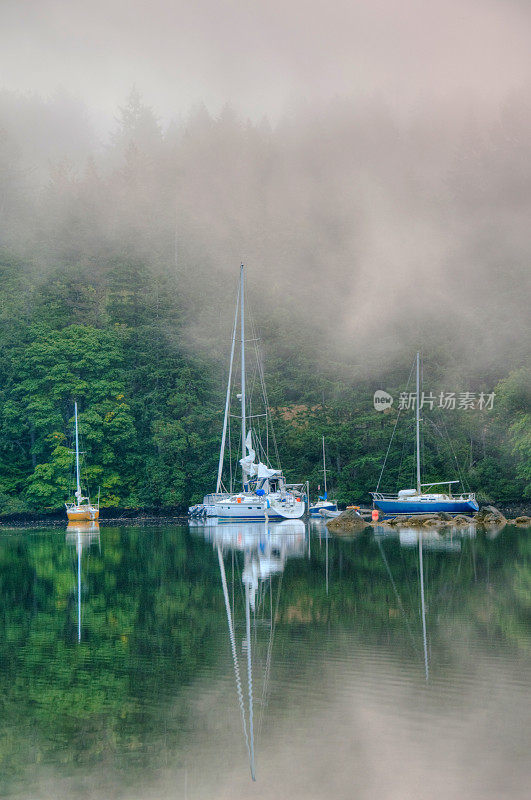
<point>425,498</point>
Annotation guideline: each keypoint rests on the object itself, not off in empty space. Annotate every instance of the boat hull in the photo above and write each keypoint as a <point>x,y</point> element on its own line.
<point>411,507</point>
<point>315,510</point>
<point>82,514</point>
<point>326,513</point>
<point>260,511</point>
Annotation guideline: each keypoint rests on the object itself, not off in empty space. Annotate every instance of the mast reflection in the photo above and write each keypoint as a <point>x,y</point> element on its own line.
<point>266,548</point>
<point>448,540</point>
<point>81,535</point>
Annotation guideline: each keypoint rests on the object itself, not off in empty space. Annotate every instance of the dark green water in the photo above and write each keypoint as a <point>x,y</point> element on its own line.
<point>117,675</point>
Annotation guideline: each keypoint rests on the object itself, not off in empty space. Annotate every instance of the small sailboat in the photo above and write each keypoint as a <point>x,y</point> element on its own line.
<point>422,499</point>
<point>328,513</point>
<point>81,508</point>
<point>323,504</point>
<point>265,493</point>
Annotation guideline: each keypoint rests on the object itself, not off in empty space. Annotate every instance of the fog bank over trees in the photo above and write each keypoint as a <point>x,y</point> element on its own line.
<point>366,232</point>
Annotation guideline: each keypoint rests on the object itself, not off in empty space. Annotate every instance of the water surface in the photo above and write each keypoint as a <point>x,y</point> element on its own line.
<point>380,667</point>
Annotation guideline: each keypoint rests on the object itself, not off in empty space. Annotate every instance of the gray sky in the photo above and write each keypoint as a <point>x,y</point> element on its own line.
<point>413,199</point>
<point>264,56</point>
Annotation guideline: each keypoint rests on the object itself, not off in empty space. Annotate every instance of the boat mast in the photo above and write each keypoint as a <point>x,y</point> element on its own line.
<point>417,409</point>
<point>242,334</point>
<point>227,399</point>
<point>78,492</point>
<point>324,470</point>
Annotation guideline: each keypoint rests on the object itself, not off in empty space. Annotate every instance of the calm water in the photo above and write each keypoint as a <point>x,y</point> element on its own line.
<point>124,663</point>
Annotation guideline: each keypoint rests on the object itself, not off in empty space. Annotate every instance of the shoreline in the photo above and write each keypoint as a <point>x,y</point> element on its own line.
<point>118,516</point>
<point>16,521</point>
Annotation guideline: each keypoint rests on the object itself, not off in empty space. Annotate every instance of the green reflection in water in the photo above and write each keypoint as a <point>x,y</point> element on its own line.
<point>153,621</point>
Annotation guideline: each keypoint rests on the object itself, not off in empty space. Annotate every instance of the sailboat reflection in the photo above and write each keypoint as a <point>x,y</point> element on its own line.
<point>425,539</point>
<point>81,535</point>
<point>266,548</point>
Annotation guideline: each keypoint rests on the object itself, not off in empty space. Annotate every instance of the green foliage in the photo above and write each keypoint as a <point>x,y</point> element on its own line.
<point>108,335</point>
<point>514,395</point>
<point>146,428</point>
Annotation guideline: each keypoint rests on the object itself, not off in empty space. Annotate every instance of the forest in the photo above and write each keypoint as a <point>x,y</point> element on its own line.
<point>119,264</point>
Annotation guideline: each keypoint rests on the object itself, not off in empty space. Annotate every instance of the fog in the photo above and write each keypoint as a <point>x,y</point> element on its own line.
<point>263,56</point>
<point>369,162</point>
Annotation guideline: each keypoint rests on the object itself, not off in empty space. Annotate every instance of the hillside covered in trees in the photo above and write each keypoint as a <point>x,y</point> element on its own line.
<point>118,268</point>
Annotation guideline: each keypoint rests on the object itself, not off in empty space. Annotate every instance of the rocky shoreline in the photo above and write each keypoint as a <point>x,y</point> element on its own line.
<point>351,522</point>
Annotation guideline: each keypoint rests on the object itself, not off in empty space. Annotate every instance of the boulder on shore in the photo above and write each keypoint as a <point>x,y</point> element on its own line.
<point>421,520</point>
<point>524,521</point>
<point>439,519</point>
<point>489,515</point>
<point>348,522</point>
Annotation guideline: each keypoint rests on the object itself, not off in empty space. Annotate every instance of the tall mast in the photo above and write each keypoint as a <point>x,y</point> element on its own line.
<point>227,399</point>
<point>242,333</point>
<point>324,470</point>
<point>78,492</point>
<point>417,409</point>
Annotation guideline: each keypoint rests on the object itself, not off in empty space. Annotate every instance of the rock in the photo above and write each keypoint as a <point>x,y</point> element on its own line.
<point>445,516</point>
<point>461,519</point>
<point>489,515</point>
<point>425,521</point>
<point>523,521</point>
<point>348,522</point>
<point>419,519</point>
<point>494,511</point>
<point>440,519</point>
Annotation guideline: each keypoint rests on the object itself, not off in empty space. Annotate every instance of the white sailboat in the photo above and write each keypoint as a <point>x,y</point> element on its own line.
<point>265,493</point>
<point>81,508</point>
<point>324,507</point>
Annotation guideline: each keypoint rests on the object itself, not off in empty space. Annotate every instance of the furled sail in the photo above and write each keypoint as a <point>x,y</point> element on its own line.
<point>248,464</point>
<point>264,472</point>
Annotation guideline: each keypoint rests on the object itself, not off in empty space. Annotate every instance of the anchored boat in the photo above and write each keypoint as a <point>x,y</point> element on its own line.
<point>422,499</point>
<point>81,508</point>
<point>323,504</point>
<point>265,493</point>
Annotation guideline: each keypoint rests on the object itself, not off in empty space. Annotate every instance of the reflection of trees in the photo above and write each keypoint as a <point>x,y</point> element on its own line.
<point>147,616</point>
<point>486,581</point>
<point>153,616</point>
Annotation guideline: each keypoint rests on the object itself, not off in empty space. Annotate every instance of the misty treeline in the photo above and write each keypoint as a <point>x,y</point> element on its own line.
<point>367,233</point>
